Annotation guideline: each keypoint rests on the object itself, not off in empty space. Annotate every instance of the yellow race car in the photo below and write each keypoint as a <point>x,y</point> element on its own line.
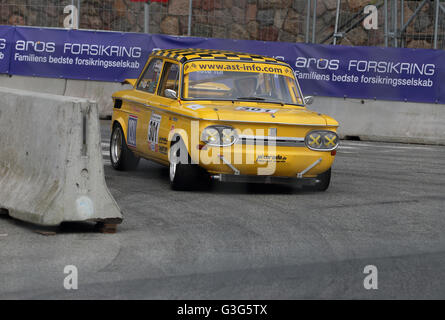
<point>222,115</point>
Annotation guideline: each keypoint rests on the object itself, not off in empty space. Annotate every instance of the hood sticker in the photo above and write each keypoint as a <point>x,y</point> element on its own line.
<point>258,110</point>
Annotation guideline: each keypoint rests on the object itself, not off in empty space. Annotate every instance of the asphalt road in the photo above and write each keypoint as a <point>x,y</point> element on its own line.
<point>385,207</point>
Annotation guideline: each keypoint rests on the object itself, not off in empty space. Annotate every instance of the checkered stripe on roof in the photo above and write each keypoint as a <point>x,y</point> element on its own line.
<point>183,55</point>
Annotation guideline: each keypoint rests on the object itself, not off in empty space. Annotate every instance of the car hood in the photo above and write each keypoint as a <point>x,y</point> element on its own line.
<point>263,112</point>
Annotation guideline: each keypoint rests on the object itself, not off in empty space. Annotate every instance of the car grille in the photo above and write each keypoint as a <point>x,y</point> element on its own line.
<point>267,140</point>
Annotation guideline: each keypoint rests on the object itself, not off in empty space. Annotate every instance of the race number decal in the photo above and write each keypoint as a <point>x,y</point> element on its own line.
<point>153,131</point>
<point>259,110</point>
<point>131,134</point>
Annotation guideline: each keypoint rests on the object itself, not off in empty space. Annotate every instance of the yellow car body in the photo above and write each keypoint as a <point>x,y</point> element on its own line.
<point>182,93</point>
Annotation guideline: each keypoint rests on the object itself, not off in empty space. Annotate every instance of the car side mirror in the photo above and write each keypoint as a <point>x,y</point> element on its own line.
<point>308,100</point>
<point>169,93</point>
<point>131,82</point>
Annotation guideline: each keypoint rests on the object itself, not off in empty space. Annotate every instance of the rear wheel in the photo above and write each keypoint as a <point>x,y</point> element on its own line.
<point>323,181</point>
<point>122,158</point>
<point>183,174</point>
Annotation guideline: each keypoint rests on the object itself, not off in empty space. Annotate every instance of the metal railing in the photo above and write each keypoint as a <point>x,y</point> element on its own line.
<point>401,23</point>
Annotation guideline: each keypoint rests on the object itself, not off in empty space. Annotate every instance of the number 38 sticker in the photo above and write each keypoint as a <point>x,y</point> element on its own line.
<point>153,131</point>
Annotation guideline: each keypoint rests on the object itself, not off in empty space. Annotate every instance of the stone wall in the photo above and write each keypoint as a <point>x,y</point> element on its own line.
<point>267,20</point>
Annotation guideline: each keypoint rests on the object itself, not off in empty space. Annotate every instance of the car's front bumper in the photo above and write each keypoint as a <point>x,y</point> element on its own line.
<point>282,162</point>
<point>237,177</point>
<point>263,179</point>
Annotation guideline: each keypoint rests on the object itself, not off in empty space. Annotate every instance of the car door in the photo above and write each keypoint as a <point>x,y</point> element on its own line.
<point>168,91</point>
<point>155,123</point>
<point>145,97</point>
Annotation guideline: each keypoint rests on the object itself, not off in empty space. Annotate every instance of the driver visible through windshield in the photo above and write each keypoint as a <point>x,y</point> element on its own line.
<point>260,82</point>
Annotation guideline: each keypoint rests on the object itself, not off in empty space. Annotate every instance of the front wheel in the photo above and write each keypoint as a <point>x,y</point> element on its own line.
<point>183,174</point>
<point>122,158</point>
<point>323,181</point>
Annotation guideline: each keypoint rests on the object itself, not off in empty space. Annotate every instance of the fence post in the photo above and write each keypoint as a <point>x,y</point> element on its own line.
<point>308,19</point>
<point>402,21</point>
<point>395,22</point>
<point>147,16</point>
<point>189,28</point>
<point>314,20</point>
<point>436,23</point>
<point>78,14</point>
<point>337,16</point>
<point>385,8</point>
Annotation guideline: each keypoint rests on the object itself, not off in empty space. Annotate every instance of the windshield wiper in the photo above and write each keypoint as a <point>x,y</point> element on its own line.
<point>268,101</point>
<point>250,98</point>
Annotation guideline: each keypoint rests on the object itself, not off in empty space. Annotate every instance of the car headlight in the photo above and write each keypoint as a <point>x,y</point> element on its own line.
<point>321,140</point>
<point>219,136</point>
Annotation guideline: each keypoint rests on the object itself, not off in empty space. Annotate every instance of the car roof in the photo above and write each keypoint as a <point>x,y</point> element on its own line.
<point>184,55</point>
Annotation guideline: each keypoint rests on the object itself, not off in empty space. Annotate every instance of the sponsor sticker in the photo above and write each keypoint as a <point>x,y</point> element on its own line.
<point>219,67</point>
<point>163,140</point>
<point>131,135</point>
<point>276,158</point>
<point>163,150</point>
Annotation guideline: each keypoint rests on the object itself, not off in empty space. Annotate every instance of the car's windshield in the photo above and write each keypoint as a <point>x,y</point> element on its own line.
<point>241,81</point>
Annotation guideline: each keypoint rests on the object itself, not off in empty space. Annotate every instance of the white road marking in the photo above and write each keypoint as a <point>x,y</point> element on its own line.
<point>384,145</point>
<point>407,147</point>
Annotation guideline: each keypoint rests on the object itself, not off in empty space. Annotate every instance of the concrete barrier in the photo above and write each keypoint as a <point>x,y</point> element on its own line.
<point>388,121</point>
<point>99,91</point>
<point>378,120</point>
<point>37,84</point>
<point>51,167</point>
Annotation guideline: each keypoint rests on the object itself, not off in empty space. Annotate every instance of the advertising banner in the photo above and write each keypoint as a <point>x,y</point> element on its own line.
<point>370,72</point>
<point>339,71</point>
<point>76,54</point>
<point>6,34</point>
<point>401,74</point>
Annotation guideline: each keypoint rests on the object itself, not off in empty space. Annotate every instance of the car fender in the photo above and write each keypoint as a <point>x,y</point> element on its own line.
<point>121,121</point>
<point>177,134</point>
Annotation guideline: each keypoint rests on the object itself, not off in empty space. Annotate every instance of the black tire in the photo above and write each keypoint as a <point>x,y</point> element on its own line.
<point>122,158</point>
<point>323,182</point>
<point>184,175</point>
